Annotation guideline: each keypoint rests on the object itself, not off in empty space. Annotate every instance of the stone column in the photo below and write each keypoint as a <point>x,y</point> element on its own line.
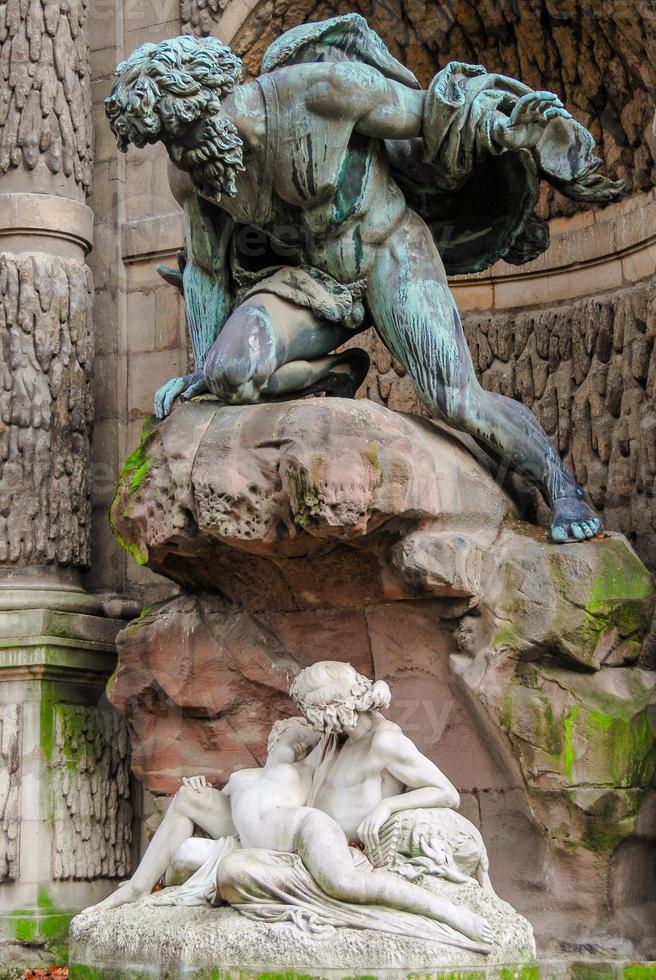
<point>65,819</point>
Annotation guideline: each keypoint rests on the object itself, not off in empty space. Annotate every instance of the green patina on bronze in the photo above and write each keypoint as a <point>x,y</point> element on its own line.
<point>387,188</point>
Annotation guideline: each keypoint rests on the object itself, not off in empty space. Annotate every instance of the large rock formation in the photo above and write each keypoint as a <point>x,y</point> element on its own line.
<point>202,683</point>
<point>331,529</point>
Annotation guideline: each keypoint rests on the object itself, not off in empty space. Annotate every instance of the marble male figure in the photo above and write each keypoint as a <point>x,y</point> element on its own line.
<point>331,778</point>
<point>364,191</point>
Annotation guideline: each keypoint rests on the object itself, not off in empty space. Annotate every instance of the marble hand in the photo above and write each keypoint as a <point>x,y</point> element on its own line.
<point>196,783</point>
<point>186,386</point>
<point>528,120</point>
<point>370,827</point>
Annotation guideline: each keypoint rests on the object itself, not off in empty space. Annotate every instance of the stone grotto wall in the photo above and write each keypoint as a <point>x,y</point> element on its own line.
<point>570,334</point>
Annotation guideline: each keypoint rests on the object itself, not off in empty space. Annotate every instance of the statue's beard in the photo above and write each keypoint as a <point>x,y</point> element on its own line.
<point>214,160</point>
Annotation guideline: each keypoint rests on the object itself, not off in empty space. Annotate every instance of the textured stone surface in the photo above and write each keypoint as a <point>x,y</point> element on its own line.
<point>65,774</point>
<point>511,660</point>
<point>201,683</point>
<point>600,62</point>
<point>45,112</point>
<point>92,813</point>
<point>46,408</point>
<point>293,477</point>
<point>587,370</point>
<point>222,938</point>
<point>10,731</point>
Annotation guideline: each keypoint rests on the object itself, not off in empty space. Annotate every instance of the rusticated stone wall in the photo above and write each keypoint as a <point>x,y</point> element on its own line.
<point>10,724</point>
<point>65,812</point>
<point>599,57</point>
<point>92,820</point>
<point>45,109</point>
<point>46,407</point>
<point>588,371</point>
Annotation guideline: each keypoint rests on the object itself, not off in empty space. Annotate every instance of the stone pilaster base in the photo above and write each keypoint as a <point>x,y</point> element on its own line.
<point>65,804</point>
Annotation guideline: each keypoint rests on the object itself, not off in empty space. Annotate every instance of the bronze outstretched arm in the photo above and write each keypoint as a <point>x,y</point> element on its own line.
<point>386,109</point>
<point>379,106</point>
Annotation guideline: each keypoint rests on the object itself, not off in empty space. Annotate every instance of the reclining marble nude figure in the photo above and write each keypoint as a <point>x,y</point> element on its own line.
<point>332,194</point>
<point>342,775</point>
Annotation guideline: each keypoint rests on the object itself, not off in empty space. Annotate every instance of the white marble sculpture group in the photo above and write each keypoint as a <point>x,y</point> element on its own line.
<point>343,826</point>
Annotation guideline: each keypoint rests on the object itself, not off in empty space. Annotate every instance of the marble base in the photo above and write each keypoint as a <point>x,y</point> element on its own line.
<point>189,941</point>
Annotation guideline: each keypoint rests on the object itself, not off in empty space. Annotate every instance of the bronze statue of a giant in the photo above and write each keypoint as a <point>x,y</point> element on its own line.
<point>332,194</point>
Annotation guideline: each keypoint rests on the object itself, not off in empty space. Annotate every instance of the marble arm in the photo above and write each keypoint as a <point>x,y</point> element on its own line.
<point>425,797</point>
<point>423,779</point>
<point>427,786</point>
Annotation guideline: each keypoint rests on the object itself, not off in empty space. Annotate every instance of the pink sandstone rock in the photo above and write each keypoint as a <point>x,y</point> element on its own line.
<point>333,529</point>
<point>201,683</point>
<point>293,476</point>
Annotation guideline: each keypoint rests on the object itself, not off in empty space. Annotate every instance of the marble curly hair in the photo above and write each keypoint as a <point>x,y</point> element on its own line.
<point>331,694</point>
<point>164,88</point>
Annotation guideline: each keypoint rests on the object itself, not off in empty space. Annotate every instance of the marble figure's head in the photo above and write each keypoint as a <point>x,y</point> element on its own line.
<point>290,739</point>
<point>332,695</point>
<point>172,92</point>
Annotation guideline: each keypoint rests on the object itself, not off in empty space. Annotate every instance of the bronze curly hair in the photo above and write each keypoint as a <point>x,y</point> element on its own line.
<point>164,88</point>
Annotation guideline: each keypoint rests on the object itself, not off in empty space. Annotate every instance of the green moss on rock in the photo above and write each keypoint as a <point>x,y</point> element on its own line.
<point>133,473</point>
<point>639,971</point>
<point>136,467</point>
<point>607,591</point>
<point>614,749</point>
<point>42,922</point>
<point>622,593</point>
